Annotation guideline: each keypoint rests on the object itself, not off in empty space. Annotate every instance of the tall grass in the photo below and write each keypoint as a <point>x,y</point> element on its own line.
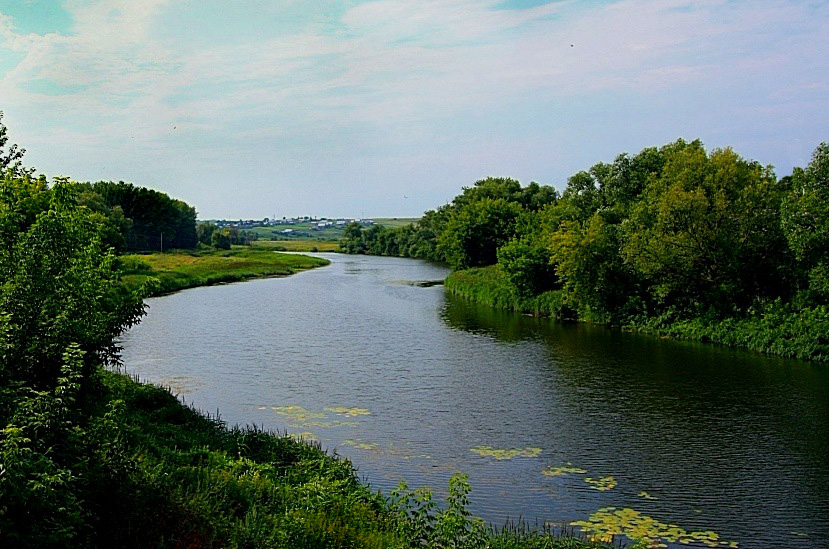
<point>487,285</point>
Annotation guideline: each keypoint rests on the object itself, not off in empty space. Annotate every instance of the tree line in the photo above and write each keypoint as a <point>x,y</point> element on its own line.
<point>669,234</point>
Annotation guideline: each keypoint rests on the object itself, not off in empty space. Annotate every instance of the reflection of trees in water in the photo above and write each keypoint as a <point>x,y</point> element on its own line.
<point>652,407</point>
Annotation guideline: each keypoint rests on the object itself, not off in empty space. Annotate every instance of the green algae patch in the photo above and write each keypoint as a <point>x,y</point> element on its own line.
<point>568,469</point>
<point>336,424</point>
<point>602,484</point>
<point>501,454</point>
<point>646,495</point>
<point>348,412</point>
<point>297,413</point>
<point>360,445</point>
<point>305,436</point>
<point>608,522</point>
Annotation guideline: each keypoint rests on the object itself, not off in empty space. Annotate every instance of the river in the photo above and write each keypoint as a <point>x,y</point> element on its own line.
<point>552,422</point>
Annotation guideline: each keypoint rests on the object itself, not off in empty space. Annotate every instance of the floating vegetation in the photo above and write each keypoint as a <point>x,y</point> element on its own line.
<point>646,495</point>
<point>608,522</point>
<point>551,471</point>
<point>330,424</point>
<point>297,413</point>
<point>602,484</point>
<point>350,412</point>
<point>368,446</point>
<point>306,436</point>
<point>180,384</point>
<point>500,455</point>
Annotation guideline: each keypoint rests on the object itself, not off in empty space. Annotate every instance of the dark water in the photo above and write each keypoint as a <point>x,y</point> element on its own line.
<point>723,440</point>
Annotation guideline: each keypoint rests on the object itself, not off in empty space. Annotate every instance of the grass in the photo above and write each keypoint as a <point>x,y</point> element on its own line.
<point>298,245</point>
<point>178,270</point>
<point>486,285</point>
<point>301,231</point>
<point>394,222</point>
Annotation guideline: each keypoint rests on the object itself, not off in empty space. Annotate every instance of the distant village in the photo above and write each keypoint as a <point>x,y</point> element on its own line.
<point>308,222</point>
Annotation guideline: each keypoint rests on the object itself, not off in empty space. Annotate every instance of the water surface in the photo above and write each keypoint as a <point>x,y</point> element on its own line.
<point>406,382</point>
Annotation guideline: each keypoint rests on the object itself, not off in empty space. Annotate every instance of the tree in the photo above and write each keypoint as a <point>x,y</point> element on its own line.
<point>11,158</point>
<point>474,232</point>
<point>58,287</point>
<point>525,260</point>
<point>220,239</point>
<point>706,233</point>
<point>805,220</point>
<point>204,232</point>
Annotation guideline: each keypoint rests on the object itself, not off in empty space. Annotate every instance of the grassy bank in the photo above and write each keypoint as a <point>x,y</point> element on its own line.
<point>486,285</point>
<point>128,465</point>
<point>779,329</point>
<point>187,269</point>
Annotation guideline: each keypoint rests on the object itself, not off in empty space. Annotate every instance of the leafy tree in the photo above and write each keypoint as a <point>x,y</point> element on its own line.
<point>11,158</point>
<point>204,232</point>
<point>525,260</point>
<point>58,286</point>
<point>220,239</point>
<point>706,229</point>
<point>805,220</point>
<point>474,232</point>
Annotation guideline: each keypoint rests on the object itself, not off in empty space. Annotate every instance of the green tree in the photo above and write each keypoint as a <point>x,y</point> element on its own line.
<point>58,287</point>
<point>474,232</point>
<point>204,232</point>
<point>706,232</point>
<point>805,220</point>
<point>11,158</point>
<point>525,260</point>
<point>220,239</point>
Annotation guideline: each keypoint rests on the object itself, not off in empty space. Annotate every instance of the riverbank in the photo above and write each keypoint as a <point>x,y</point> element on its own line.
<point>178,270</point>
<point>779,329</point>
<point>165,475</point>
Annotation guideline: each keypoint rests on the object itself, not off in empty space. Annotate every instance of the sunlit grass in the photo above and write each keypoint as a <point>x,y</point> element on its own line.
<point>187,269</point>
<point>298,245</point>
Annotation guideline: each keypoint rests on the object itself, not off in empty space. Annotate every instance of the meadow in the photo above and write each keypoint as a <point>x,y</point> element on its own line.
<point>180,269</point>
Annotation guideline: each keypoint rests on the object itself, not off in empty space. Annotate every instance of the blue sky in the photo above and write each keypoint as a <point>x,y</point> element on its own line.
<point>390,107</point>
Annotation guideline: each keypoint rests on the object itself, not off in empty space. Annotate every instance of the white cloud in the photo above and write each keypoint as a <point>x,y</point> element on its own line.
<point>395,73</point>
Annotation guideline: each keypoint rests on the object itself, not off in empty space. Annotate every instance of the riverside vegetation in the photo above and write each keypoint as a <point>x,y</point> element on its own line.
<point>671,241</point>
<point>90,457</point>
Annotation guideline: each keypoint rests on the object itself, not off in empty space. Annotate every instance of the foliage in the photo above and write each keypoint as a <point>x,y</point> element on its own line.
<point>58,285</point>
<point>805,219</point>
<point>475,231</point>
<point>673,240</point>
<point>156,221</point>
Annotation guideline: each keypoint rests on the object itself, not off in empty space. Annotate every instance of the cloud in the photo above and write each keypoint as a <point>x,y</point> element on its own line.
<point>391,78</point>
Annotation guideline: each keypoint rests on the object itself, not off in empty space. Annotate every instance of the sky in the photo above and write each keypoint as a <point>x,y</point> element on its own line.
<point>254,108</point>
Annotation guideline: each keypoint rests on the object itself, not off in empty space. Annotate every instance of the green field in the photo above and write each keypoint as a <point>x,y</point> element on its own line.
<point>392,222</point>
<point>301,231</point>
<point>307,231</point>
<point>297,245</point>
<point>187,269</point>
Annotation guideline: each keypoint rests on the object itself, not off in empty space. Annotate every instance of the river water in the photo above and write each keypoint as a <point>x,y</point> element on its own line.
<point>409,383</point>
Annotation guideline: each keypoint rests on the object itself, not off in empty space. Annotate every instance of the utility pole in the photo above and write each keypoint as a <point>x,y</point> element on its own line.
<point>162,242</point>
